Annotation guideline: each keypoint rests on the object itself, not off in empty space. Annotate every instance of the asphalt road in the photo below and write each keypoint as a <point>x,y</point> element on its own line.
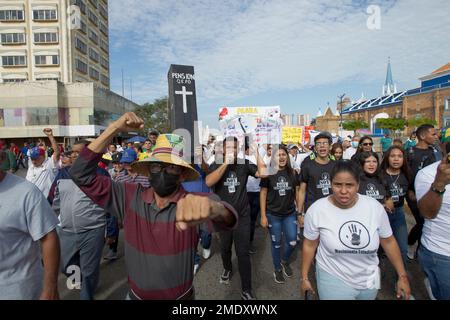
<point>113,277</point>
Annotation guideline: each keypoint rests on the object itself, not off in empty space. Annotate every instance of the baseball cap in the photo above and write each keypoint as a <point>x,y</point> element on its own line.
<point>129,156</point>
<point>291,146</point>
<point>36,152</point>
<point>116,157</point>
<point>323,135</point>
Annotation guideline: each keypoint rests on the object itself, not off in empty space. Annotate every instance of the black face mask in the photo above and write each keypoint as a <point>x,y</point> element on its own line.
<point>164,183</point>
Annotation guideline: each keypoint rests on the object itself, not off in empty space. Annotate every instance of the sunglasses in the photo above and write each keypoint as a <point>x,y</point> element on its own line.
<point>368,144</point>
<point>169,168</point>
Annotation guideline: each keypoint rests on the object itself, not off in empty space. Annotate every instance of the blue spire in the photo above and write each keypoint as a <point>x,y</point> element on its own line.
<point>389,86</point>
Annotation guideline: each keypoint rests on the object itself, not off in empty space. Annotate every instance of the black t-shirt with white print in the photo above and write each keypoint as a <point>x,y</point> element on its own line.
<point>373,186</point>
<point>280,192</point>
<point>318,179</point>
<point>398,187</point>
<point>232,187</point>
<point>419,159</point>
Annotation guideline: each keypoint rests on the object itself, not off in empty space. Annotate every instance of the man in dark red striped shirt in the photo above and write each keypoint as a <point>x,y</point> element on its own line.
<point>160,223</point>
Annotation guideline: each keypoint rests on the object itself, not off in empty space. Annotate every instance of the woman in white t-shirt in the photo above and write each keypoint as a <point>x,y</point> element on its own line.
<point>347,228</point>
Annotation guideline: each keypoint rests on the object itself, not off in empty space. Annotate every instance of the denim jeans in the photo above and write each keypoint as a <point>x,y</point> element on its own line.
<point>205,240</point>
<point>437,269</point>
<point>288,226</point>
<point>331,287</point>
<point>400,231</point>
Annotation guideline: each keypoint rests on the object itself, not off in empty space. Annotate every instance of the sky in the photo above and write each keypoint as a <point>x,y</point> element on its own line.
<point>298,54</point>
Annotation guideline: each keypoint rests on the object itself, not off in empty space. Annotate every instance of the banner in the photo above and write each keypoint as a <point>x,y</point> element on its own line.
<point>262,123</point>
<point>293,135</point>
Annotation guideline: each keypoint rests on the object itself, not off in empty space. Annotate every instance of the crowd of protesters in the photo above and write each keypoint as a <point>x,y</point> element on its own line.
<point>345,201</point>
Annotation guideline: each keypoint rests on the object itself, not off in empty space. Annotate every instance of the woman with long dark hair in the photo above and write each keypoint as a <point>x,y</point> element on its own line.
<point>395,174</point>
<point>337,151</point>
<point>278,197</point>
<point>365,144</point>
<point>371,185</point>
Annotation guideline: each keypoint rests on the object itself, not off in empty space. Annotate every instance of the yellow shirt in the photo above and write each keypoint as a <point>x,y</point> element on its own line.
<point>143,155</point>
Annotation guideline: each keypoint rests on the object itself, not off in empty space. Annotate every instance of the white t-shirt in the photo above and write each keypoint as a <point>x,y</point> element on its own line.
<point>253,183</point>
<point>436,232</point>
<point>349,239</point>
<point>348,154</point>
<point>25,218</point>
<point>43,176</point>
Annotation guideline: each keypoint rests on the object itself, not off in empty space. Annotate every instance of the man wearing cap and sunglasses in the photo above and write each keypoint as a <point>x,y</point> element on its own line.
<point>161,222</point>
<point>41,171</point>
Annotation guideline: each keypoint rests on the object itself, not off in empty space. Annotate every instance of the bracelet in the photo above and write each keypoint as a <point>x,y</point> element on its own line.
<point>403,276</point>
<point>439,192</point>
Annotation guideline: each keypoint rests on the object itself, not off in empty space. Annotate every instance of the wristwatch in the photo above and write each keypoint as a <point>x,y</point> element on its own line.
<point>439,192</point>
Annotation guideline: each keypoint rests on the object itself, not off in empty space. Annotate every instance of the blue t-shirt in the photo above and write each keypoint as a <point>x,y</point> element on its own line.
<point>385,143</point>
<point>198,185</point>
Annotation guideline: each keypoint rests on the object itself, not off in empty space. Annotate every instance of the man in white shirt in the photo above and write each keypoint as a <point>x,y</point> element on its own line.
<point>433,195</point>
<point>41,171</point>
<point>296,157</point>
<point>348,154</point>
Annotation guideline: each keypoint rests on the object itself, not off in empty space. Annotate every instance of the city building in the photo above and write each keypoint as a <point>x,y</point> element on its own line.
<point>59,40</point>
<point>72,110</point>
<point>431,101</point>
<point>294,120</point>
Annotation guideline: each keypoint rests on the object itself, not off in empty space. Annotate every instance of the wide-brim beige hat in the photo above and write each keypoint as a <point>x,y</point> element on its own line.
<point>167,150</point>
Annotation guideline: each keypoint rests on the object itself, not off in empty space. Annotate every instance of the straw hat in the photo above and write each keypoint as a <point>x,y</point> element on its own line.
<point>168,149</point>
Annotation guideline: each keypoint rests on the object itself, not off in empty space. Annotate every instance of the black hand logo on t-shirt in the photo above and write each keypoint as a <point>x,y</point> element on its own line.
<point>232,182</point>
<point>354,235</point>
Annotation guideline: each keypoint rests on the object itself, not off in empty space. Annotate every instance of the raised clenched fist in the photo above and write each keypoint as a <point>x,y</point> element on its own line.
<point>128,122</point>
<point>48,132</point>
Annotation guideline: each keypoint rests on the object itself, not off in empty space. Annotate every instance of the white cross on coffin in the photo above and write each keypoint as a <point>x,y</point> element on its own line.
<point>184,93</point>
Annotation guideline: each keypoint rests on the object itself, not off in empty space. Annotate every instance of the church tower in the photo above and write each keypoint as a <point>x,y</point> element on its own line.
<point>389,85</point>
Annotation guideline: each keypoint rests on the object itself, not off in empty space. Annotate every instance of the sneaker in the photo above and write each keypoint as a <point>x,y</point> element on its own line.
<point>111,255</point>
<point>206,253</point>
<point>428,287</point>
<point>247,295</point>
<point>195,269</point>
<point>278,276</point>
<point>225,277</point>
<point>411,252</point>
<point>252,249</point>
<point>287,270</point>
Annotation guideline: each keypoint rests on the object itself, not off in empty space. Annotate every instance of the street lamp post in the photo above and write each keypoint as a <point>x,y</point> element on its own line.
<point>341,99</point>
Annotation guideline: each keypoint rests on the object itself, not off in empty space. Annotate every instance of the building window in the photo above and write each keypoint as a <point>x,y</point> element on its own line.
<point>81,66</point>
<point>83,27</point>
<point>47,78</point>
<point>93,36</point>
<point>104,28</point>
<point>94,55</point>
<point>105,80</point>
<point>92,17</point>
<point>14,80</point>
<point>80,4</point>
<point>46,37</point>
<point>103,11</point>
<point>14,61</point>
<point>93,73</point>
<point>80,45</point>
<point>13,38</point>
<point>44,15</point>
<point>94,3</point>
<point>43,60</point>
<point>104,45</point>
<point>104,63</point>
<point>11,15</point>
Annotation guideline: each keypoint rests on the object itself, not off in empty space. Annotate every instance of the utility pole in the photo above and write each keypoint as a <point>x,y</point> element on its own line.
<point>341,99</point>
<point>123,86</point>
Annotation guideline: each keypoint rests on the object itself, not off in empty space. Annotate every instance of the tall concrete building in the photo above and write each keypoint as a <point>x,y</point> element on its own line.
<point>64,40</point>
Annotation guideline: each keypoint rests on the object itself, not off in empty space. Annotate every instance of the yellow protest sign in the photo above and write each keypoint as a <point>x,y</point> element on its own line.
<point>292,135</point>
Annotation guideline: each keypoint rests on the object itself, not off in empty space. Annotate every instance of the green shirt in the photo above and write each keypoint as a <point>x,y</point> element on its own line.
<point>10,161</point>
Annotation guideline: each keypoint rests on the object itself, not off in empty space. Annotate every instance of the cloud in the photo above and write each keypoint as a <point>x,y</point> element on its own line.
<point>243,48</point>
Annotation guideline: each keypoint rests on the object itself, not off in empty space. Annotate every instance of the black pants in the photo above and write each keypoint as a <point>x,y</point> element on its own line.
<point>416,232</point>
<point>241,238</point>
<point>253,200</point>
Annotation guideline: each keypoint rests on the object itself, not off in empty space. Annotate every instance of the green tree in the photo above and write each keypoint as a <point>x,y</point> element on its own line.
<point>415,123</point>
<point>355,125</point>
<point>155,116</point>
<point>392,124</point>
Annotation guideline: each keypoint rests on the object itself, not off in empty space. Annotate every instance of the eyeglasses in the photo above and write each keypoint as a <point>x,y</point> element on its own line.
<point>368,144</point>
<point>171,169</point>
<point>322,144</point>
